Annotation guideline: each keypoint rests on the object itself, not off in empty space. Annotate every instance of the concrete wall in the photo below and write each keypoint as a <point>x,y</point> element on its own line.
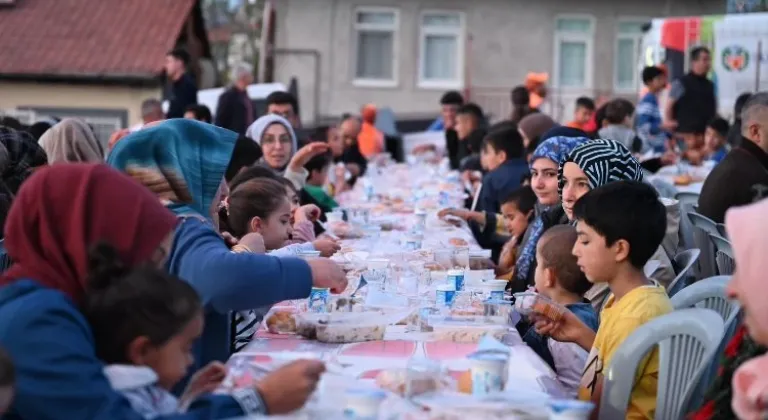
<point>509,39</point>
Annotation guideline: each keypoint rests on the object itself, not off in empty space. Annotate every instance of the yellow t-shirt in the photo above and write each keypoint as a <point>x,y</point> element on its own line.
<point>617,322</point>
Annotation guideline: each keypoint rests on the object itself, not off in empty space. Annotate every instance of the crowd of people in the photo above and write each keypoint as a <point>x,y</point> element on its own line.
<point>137,268</point>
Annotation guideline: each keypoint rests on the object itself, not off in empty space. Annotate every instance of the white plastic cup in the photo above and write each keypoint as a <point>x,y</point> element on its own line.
<point>444,295</point>
<point>363,404</point>
<point>456,278</point>
<point>570,410</point>
<point>488,372</point>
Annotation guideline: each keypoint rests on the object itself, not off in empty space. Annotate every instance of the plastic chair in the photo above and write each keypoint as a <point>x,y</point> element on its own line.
<point>650,267</point>
<point>686,339</point>
<point>723,255</point>
<point>702,228</point>
<point>707,294</point>
<point>683,264</point>
<point>687,201</point>
<point>721,230</point>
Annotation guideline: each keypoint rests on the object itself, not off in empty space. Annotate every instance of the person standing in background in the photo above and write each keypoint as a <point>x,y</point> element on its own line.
<point>370,140</point>
<point>235,109</point>
<point>182,88</point>
<point>582,115</point>
<point>521,104</point>
<point>692,104</point>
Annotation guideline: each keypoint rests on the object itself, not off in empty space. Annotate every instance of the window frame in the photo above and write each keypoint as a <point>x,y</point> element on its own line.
<point>394,29</point>
<point>638,40</point>
<point>461,36</point>
<point>589,40</point>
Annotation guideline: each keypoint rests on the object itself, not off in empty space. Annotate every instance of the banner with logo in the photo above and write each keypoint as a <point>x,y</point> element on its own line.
<point>739,61</point>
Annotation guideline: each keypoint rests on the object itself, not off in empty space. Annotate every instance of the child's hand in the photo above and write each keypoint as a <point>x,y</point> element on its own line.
<point>326,246</point>
<point>204,381</point>
<point>309,212</point>
<point>288,388</point>
<point>569,329</point>
<point>305,154</point>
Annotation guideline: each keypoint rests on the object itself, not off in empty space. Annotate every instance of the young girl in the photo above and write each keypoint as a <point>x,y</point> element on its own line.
<point>144,323</point>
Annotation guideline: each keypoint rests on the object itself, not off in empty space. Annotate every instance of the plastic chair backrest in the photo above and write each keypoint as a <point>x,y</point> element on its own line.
<point>686,339</point>
<point>726,264</point>
<point>683,264</point>
<point>707,294</point>
<point>687,201</point>
<point>721,230</point>
<point>702,228</point>
<point>650,267</point>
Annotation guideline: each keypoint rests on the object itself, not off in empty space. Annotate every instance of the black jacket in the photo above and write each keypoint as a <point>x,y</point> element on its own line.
<point>697,106</point>
<point>232,113</point>
<point>181,94</point>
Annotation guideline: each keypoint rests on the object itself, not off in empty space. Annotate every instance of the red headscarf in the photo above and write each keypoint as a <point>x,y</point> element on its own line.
<point>63,209</point>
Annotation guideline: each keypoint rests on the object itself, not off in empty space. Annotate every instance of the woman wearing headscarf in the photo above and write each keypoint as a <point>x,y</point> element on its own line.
<point>594,164</point>
<point>279,146</point>
<point>746,228</point>
<point>72,140</point>
<point>183,162</point>
<point>533,126</point>
<point>556,145</point>
<point>58,215</point>
<point>20,155</point>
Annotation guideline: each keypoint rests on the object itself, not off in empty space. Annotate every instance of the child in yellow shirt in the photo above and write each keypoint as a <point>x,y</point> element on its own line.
<point>619,225</point>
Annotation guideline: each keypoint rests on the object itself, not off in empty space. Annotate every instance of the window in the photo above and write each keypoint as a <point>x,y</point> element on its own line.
<point>627,56</point>
<point>376,31</point>
<point>573,52</point>
<point>441,50</point>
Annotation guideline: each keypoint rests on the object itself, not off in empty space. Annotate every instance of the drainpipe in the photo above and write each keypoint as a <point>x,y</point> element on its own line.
<point>315,54</point>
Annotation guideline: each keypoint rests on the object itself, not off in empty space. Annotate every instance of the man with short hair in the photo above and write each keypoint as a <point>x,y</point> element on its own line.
<point>692,103</point>
<point>235,109</point>
<point>151,111</point>
<point>742,176</point>
<point>285,105</point>
<point>182,87</point>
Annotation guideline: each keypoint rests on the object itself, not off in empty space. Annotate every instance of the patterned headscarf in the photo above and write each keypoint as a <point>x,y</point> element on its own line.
<point>19,156</point>
<point>72,140</point>
<point>555,149</point>
<point>182,161</point>
<point>602,161</point>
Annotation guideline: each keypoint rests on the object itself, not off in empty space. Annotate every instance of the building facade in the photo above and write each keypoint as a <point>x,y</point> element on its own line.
<point>405,53</point>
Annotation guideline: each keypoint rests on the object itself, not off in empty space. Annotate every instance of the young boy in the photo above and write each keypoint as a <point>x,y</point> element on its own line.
<point>470,132</point>
<point>619,225</point>
<point>559,278</point>
<point>502,156</point>
<point>585,108</point>
<point>648,121</point>
<point>618,116</point>
<point>314,192</point>
<point>715,139</point>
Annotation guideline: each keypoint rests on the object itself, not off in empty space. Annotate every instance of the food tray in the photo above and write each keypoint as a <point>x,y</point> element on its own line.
<point>467,329</point>
<point>528,303</point>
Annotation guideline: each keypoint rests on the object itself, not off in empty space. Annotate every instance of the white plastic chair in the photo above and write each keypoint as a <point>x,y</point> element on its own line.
<point>685,340</point>
<point>723,255</point>
<point>687,201</point>
<point>683,264</point>
<point>702,228</point>
<point>721,230</point>
<point>650,267</point>
<point>707,294</point>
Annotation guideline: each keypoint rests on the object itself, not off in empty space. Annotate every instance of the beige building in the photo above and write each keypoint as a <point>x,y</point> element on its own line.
<point>405,53</point>
<point>100,66</point>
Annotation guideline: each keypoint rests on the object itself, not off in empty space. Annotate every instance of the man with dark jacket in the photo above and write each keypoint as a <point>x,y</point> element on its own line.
<point>692,103</point>
<point>742,176</point>
<point>470,128</point>
<point>235,109</point>
<point>182,89</point>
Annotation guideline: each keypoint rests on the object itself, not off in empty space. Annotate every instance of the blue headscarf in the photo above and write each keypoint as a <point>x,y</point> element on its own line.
<point>182,161</point>
<point>555,148</point>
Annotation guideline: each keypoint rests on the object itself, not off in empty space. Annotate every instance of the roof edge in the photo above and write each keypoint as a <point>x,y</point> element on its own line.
<point>86,79</point>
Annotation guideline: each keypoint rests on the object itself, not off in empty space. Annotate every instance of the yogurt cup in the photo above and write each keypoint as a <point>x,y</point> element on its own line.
<point>570,410</point>
<point>444,295</point>
<point>318,299</point>
<point>456,278</point>
<point>488,371</point>
<point>363,404</point>
<point>495,288</point>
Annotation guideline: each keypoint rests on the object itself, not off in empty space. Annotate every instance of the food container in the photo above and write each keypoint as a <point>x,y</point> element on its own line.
<point>363,404</point>
<point>488,372</point>
<point>456,279</point>
<point>570,410</point>
<point>413,242</point>
<point>309,255</point>
<point>340,327</point>
<point>467,329</point>
<point>318,299</point>
<point>372,231</point>
<point>479,259</point>
<point>477,277</point>
<point>495,288</point>
<point>528,303</point>
<point>334,217</point>
<point>444,295</point>
<point>461,257</point>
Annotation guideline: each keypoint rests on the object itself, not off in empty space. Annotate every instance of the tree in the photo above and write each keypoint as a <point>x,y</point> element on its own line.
<point>235,29</point>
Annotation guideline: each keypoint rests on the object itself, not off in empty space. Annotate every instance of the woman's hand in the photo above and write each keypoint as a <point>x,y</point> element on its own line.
<point>326,246</point>
<point>460,213</point>
<point>288,388</point>
<point>204,381</point>
<point>327,274</point>
<point>308,212</point>
<point>306,153</point>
